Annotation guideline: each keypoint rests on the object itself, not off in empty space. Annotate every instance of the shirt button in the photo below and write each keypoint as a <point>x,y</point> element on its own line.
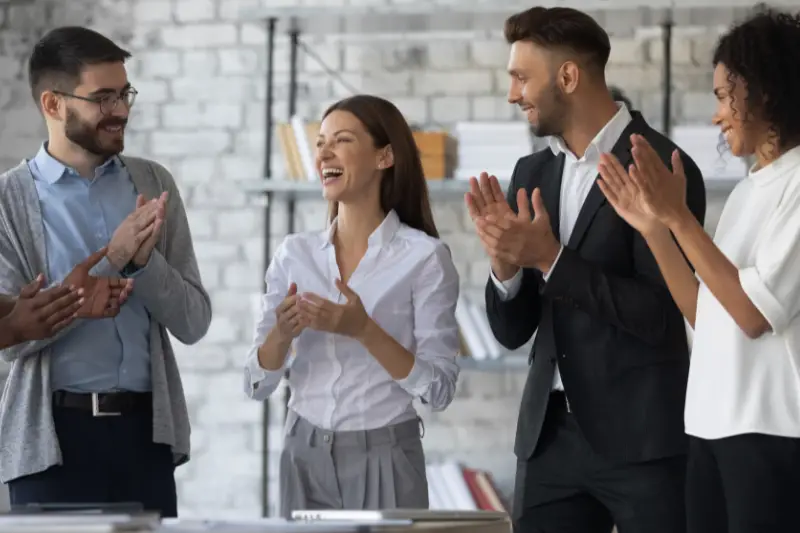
<point>326,438</point>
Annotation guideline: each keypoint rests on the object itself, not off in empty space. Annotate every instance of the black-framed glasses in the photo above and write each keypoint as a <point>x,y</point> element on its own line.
<point>107,102</point>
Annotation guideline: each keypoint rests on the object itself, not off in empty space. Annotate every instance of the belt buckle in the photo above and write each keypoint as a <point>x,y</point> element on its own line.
<point>96,407</point>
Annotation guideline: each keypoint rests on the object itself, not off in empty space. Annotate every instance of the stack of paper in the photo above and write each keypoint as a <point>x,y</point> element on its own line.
<point>492,147</point>
<point>76,523</point>
<point>264,525</point>
<point>477,338</point>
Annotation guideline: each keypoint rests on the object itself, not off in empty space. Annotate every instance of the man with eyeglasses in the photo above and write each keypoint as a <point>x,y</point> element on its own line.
<point>95,413</point>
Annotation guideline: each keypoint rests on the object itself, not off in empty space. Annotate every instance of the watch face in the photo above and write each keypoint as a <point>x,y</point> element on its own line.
<point>129,269</point>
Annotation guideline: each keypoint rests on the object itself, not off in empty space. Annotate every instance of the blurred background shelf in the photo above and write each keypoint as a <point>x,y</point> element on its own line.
<point>438,189</point>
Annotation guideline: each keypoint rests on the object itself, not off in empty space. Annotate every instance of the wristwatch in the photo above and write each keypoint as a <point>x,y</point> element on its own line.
<point>130,269</point>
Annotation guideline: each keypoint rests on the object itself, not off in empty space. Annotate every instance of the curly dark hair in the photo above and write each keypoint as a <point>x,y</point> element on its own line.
<point>763,52</point>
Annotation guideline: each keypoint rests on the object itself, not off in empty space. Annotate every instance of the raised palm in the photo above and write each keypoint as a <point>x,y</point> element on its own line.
<point>486,197</point>
<point>663,190</point>
<point>625,196</point>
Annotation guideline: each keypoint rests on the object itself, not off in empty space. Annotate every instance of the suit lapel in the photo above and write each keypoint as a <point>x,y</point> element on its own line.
<point>595,198</point>
<point>550,188</point>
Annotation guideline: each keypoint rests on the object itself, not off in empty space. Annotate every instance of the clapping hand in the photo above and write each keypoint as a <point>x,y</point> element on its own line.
<point>139,229</point>
<point>664,191</point>
<point>290,322</point>
<point>349,319</point>
<point>142,255</point>
<point>40,314</point>
<point>102,296</point>
<point>622,192</point>
<point>486,198</point>
<point>523,239</point>
<point>648,196</point>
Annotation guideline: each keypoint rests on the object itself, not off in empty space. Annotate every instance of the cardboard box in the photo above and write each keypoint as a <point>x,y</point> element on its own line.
<point>438,153</point>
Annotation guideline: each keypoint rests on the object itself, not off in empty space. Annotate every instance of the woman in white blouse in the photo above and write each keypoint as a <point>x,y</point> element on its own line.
<point>367,308</point>
<point>742,408</point>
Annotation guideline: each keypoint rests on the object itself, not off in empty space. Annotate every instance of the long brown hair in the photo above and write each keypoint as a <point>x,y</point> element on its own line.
<point>403,185</point>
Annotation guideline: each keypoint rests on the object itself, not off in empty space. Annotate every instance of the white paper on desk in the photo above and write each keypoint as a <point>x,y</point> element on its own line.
<point>380,516</point>
<point>68,528</point>
<point>72,522</point>
<point>265,525</point>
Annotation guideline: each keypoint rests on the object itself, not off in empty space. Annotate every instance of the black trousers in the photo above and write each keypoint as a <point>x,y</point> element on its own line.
<point>747,483</point>
<point>105,460</point>
<point>567,488</point>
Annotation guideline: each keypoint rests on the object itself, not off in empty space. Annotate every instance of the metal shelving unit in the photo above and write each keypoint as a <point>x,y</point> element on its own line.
<point>364,24</point>
<point>426,21</point>
<point>291,191</point>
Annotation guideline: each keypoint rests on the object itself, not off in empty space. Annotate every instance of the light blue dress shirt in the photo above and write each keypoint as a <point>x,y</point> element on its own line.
<point>80,215</point>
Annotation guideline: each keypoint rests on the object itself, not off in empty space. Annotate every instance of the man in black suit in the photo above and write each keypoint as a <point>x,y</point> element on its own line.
<point>600,437</point>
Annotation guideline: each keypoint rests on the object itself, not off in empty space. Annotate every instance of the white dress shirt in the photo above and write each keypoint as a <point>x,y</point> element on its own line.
<point>577,178</point>
<point>409,285</point>
<point>737,384</point>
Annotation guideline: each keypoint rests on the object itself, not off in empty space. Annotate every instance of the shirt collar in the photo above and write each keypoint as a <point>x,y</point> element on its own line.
<point>382,234</point>
<point>605,139</point>
<point>52,170</point>
<point>789,160</point>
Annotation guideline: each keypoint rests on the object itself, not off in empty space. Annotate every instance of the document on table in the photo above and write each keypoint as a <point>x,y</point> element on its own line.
<point>75,522</point>
<point>272,525</point>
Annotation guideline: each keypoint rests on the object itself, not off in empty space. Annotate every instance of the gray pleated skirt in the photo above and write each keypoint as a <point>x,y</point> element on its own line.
<point>381,468</point>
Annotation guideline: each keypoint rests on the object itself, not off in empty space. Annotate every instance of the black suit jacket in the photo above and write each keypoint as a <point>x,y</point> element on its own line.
<point>606,314</point>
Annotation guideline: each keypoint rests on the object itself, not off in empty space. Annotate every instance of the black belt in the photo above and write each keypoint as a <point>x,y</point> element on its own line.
<point>105,403</point>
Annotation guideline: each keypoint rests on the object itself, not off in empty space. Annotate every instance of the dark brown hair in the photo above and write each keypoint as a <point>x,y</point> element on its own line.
<point>58,59</point>
<point>561,28</point>
<point>403,186</point>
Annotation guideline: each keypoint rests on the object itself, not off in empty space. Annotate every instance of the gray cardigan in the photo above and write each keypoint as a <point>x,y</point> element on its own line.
<point>170,288</point>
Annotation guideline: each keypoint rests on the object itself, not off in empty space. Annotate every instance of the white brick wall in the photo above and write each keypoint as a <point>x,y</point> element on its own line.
<point>199,69</point>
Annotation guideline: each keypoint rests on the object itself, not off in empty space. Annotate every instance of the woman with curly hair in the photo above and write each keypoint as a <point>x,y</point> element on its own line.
<point>742,409</point>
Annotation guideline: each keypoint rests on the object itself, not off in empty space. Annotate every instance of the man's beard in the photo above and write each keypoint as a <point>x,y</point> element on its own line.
<point>92,138</point>
<point>552,113</point>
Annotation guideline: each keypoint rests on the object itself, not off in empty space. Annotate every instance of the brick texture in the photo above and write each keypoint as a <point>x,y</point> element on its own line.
<point>199,67</point>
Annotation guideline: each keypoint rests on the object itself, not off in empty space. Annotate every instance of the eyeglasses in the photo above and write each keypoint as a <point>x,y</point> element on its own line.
<point>107,102</point>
